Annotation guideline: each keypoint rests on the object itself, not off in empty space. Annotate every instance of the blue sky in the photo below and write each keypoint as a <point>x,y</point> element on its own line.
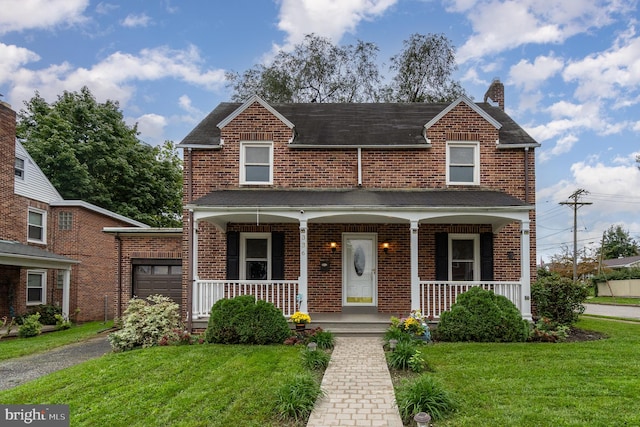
<point>571,71</point>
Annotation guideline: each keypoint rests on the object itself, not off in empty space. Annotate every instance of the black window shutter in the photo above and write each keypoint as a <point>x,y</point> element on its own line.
<point>233,255</point>
<point>442,256</point>
<point>277,255</point>
<point>486,256</point>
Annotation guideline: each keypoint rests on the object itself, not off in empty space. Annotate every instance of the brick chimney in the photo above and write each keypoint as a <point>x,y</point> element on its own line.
<point>7,165</point>
<point>495,93</point>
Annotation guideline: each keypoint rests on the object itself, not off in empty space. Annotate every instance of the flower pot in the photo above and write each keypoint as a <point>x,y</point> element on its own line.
<point>301,326</point>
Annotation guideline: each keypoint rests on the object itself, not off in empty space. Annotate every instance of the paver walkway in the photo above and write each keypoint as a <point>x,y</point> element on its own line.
<point>357,386</point>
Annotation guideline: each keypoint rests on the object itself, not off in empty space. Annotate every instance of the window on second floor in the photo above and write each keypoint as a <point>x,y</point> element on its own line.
<point>256,163</point>
<point>19,168</point>
<point>65,220</point>
<point>37,225</point>
<point>463,163</point>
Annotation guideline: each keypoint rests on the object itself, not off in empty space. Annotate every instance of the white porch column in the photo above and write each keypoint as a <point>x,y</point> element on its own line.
<point>525,269</point>
<point>304,260</point>
<point>415,279</point>
<point>195,297</point>
<point>66,286</point>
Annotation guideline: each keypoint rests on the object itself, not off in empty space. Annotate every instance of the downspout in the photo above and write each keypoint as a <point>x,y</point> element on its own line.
<point>359,167</point>
<point>189,243</point>
<point>119,269</point>
<point>526,174</point>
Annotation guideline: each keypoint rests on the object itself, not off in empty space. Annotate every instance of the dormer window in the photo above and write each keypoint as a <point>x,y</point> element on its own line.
<point>256,163</point>
<point>19,168</point>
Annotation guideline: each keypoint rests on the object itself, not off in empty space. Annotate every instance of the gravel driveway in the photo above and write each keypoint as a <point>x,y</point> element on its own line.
<point>14,372</point>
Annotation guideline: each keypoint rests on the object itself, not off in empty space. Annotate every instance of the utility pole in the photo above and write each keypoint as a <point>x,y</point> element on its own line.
<point>576,204</point>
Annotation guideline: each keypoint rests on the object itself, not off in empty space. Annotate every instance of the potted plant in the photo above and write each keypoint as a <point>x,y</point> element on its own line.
<point>300,319</point>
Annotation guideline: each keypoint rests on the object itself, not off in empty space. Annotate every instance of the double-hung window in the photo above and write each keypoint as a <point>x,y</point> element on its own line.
<point>464,257</point>
<point>37,226</point>
<point>19,168</point>
<point>36,287</point>
<point>255,253</point>
<point>463,163</point>
<point>256,163</point>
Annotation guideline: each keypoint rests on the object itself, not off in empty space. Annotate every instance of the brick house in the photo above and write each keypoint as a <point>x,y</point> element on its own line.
<point>361,208</point>
<point>52,251</point>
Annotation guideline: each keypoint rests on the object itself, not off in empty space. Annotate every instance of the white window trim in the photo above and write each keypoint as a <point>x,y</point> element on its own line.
<point>476,253</point>
<point>476,161</point>
<point>22,169</point>
<point>44,225</point>
<point>243,146</point>
<point>243,252</point>
<point>43,278</point>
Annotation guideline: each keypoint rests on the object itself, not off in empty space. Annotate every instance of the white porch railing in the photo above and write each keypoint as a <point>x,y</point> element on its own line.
<point>282,293</point>
<point>436,297</point>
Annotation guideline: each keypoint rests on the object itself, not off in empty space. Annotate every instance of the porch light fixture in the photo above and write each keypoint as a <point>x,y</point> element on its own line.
<point>334,246</point>
<point>392,344</point>
<point>511,256</point>
<point>385,247</point>
<point>422,419</point>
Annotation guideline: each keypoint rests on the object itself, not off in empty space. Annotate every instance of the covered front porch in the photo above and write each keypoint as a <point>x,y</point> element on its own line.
<point>385,259</point>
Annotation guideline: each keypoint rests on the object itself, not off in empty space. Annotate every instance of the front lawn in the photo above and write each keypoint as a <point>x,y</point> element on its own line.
<point>11,347</point>
<point>591,383</point>
<point>198,385</point>
<point>613,300</point>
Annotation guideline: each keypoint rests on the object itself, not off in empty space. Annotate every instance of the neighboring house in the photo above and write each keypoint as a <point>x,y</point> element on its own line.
<point>362,208</point>
<point>52,251</point>
<point>622,262</point>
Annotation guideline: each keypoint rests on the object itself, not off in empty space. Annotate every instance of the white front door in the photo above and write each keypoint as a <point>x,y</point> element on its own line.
<point>359,280</point>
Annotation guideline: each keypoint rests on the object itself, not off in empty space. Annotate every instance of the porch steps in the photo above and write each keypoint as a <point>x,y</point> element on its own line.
<point>351,324</point>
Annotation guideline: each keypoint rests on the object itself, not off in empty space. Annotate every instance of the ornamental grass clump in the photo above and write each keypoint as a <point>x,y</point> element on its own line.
<point>423,394</point>
<point>297,396</point>
<point>315,360</point>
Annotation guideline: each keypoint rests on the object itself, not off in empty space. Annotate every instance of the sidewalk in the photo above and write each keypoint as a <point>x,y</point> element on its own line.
<point>357,386</point>
<point>624,311</point>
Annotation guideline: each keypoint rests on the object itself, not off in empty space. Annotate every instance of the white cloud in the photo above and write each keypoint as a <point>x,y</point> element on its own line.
<point>19,15</point>
<point>610,74</point>
<point>105,8</point>
<point>151,127</point>
<point>133,20</point>
<point>326,18</point>
<point>13,57</point>
<point>529,75</point>
<point>503,25</point>
<point>113,77</point>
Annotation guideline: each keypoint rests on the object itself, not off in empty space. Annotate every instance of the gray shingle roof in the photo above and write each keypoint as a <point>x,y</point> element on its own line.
<point>358,198</point>
<point>353,124</point>
<point>20,250</point>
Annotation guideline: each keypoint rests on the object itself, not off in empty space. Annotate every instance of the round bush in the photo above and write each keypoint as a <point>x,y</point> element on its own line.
<point>482,316</point>
<point>243,320</point>
<point>558,298</point>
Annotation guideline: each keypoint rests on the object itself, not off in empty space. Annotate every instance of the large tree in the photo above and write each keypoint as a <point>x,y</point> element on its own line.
<point>424,70</point>
<point>89,153</point>
<point>316,70</point>
<point>616,242</point>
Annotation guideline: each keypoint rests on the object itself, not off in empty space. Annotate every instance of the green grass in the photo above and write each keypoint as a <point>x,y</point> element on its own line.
<point>199,385</point>
<point>591,383</point>
<point>613,300</point>
<point>16,347</point>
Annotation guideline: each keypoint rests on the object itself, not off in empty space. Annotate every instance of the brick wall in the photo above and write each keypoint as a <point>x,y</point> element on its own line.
<point>139,247</point>
<point>7,162</point>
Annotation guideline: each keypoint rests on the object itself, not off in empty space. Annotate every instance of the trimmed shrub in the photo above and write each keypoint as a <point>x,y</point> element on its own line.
<point>47,313</point>
<point>243,320</point>
<point>423,394</point>
<point>30,327</point>
<point>145,322</point>
<point>558,299</point>
<point>482,316</point>
<point>296,398</point>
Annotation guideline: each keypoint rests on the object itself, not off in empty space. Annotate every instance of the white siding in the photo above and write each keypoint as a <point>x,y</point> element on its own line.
<point>35,184</point>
